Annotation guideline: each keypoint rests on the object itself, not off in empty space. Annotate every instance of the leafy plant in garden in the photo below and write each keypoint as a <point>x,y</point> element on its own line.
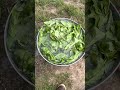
<point>61,42</point>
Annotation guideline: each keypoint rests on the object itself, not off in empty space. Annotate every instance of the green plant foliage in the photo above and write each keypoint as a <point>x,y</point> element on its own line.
<point>20,37</point>
<point>61,42</point>
<point>102,41</point>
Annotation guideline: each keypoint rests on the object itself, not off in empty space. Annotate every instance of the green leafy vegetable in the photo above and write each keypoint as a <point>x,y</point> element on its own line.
<point>20,38</point>
<point>102,39</point>
<point>61,42</point>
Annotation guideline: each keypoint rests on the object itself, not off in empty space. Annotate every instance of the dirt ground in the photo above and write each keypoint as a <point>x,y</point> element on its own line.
<point>76,74</point>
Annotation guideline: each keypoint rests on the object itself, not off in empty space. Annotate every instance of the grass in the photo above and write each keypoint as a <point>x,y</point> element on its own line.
<point>72,12</point>
<point>48,80</point>
<point>62,10</point>
<point>51,81</point>
<point>43,3</point>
